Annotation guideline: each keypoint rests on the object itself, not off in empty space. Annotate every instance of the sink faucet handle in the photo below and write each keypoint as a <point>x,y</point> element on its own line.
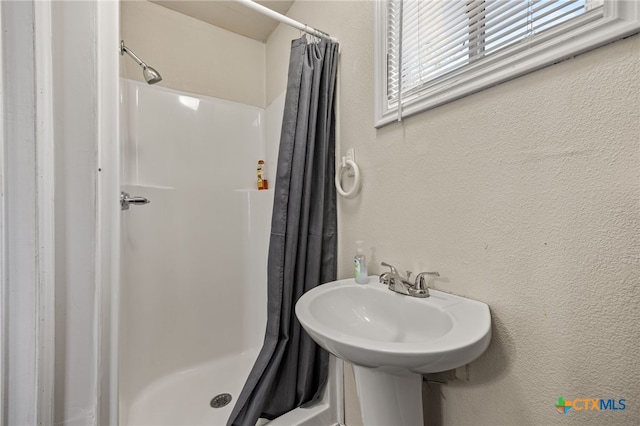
<point>420,281</point>
<point>409,275</point>
<point>393,268</point>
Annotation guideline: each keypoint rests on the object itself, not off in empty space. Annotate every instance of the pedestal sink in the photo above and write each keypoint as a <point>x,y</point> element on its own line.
<point>392,339</point>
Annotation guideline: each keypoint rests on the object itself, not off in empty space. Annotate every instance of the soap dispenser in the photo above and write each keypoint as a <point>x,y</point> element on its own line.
<point>360,265</point>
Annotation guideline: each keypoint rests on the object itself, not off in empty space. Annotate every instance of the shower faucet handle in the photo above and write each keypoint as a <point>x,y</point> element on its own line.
<point>126,200</point>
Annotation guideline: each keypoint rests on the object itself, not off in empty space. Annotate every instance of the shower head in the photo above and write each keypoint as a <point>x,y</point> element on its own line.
<point>150,74</point>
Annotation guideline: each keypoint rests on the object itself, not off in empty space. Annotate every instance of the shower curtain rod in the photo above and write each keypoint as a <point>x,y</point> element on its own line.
<point>285,19</point>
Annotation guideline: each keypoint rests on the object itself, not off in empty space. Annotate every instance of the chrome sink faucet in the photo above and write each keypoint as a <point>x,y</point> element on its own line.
<point>395,281</point>
<point>399,284</point>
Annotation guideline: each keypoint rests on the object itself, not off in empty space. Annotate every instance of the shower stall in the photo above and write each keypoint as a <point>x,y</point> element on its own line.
<point>193,286</point>
<point>146,315</point>
<point>193,291</point>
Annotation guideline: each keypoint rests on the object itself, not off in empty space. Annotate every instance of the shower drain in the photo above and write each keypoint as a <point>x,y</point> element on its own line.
<point>221,400</point>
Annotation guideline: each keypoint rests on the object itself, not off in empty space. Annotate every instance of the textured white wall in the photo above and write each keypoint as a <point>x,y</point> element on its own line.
<point>20,203</point>
<point>192,55</point>
<point>76,127</point>
<point>524,196</point>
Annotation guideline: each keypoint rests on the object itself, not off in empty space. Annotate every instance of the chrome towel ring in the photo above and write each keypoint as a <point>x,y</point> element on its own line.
<point>348,163</point>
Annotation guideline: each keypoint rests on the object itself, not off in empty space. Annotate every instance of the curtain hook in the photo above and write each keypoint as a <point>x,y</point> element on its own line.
<point>309,34</point>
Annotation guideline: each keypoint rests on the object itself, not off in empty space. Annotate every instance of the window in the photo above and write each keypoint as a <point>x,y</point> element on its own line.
<point>429,52</point>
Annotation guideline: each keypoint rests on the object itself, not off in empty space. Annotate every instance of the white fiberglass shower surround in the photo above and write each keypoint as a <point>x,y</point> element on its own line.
<point>193,289</point>
<point>193,268</point>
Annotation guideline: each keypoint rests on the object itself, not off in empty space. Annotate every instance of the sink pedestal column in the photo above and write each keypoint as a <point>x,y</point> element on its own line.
<point>389,399</point>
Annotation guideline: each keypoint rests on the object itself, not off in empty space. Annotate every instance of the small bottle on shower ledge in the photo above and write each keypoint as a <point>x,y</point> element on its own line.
<point>260,174</point>
<point>263,183</point>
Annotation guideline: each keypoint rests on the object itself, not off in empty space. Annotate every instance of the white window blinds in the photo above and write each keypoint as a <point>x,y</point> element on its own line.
<point>432,46</point>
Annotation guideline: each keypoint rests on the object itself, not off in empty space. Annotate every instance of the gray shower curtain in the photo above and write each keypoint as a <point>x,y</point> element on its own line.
<point>291,369</point>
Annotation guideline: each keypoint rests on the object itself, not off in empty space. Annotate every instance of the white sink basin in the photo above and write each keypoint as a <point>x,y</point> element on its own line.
<point>371,326</point>
<point>393,335</point>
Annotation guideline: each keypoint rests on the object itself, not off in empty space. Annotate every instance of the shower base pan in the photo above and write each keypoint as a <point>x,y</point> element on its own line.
<point>189,398</point>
